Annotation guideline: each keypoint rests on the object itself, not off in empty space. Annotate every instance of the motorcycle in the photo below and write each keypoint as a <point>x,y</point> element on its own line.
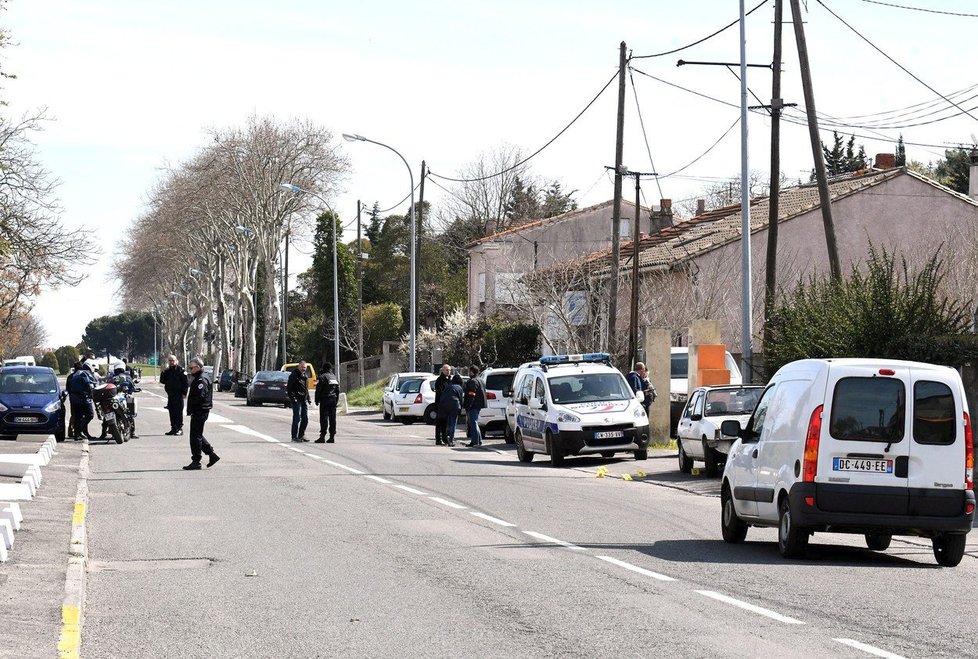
<point>116,410</point>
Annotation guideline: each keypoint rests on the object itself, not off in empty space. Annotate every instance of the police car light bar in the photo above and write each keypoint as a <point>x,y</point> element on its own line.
<point>553,360</point>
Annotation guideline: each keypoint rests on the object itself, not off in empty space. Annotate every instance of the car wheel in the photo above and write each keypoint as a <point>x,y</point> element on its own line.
<point>949,549</point>
<point>387,415</point>
<point>685,462</point>
<point>405,420</point>
<point>508,434</point>
<point>521,452</point>
<point>607,454</point>
<point>733,528</point>
<point>642,454</point>
<point>792,541</point>
<point>430,415</point>
<point>711,459</point>
<point>556,457</point>
<point>878,541</point>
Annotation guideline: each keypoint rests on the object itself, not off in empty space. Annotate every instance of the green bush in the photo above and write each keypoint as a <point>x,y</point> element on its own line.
<point>889,311</point>
<point>371,395</point>
<point>495,343</point>
<point>51,361</point>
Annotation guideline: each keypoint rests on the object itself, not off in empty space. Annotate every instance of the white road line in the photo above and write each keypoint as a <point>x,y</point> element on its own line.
<point>635,568</point>
<point>750,607</point>
<point>378,479</point>
<point>450,504</point>
<point>341,466</point>
<point>297,450</point>
<point>411,490</point>
<point>869,649</point>
<point>494,520</point>
<point>146,391</point>
<point>245,430</point>
<point>555,541</point>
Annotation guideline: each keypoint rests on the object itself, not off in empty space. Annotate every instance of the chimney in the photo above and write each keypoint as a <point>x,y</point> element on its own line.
<point>885,161</point>
<point>700,206</point>
<point>973,176</point>
<point>662,218</point>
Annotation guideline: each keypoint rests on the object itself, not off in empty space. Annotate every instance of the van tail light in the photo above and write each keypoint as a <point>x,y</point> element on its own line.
<point>969,454</point>
<point>419,399</point>
<point>490,395</point>
<point>811,445</point>
<point>887,371</point>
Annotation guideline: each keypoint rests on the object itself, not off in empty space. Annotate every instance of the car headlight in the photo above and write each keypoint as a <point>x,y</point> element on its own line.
<point>676,397</point>
<point>567,417</point>
<point>52,407</point>
<point>639,412</point>
<point>3,408</point>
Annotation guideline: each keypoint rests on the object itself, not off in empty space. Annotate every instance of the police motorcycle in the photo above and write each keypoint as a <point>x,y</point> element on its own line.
<point>116,407</point>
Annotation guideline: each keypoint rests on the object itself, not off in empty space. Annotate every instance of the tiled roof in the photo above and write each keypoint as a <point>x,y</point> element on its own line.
<point>551,220</point>
<point>715,228</point>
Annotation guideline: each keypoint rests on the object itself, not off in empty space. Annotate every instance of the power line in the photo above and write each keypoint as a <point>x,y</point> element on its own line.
<point>903,68</point>
<point>699,41</point>
<point>928,11</point>
<point>702,155</point>
<point>645,135</point>
<point>688,91</point>
<point>535,153</point>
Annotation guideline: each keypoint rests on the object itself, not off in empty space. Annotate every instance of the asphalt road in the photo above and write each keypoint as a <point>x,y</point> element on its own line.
<point>384,544</point>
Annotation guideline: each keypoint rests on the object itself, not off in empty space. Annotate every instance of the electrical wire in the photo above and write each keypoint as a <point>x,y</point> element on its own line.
<point>902,68</point>
<point>645,135</point>
<point>706,38</point>
<point>928,11</point>
<point>702,155</point>
<point>688,91</point>
<point>535,153</point>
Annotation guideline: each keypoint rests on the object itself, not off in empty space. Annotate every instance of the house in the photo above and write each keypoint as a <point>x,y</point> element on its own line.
<point>693,269</point>
<point>498,261</point>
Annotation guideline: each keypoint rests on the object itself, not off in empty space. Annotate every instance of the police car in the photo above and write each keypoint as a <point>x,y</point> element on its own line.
<point>575,405</point>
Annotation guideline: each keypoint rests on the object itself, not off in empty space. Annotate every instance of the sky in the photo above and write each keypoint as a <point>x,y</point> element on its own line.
<point>132,86</point>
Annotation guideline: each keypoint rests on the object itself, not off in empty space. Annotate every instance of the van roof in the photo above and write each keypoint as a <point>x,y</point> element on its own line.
<point>811,367</point>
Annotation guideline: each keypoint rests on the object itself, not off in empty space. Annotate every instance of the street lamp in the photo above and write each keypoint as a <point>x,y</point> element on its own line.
<point>413,313</point>
<point>336,296</point>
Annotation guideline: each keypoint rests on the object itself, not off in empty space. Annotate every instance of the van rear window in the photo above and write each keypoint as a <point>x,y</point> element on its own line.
<point>934,416</point>
<point>869,410</point>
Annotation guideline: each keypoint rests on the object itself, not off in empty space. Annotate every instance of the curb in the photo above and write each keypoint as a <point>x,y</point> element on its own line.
<point>73,606</point>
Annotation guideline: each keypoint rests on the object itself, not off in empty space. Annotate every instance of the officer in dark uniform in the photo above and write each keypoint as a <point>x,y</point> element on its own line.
<point>198,408</point>
<point>80,385</point>
<point>174,381</point>
<point>327,396</point>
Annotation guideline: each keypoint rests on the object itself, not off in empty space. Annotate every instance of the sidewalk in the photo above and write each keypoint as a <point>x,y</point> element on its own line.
<point>32,581</point>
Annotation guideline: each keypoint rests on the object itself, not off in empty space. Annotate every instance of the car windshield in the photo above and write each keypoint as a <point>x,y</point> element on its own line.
<point>587,387</point>
<point>721,402</point>
<point>28,383</point>
<point>499,381</point>
<point>272,376</point>
<point>411,386</point>
<point>680,365</point>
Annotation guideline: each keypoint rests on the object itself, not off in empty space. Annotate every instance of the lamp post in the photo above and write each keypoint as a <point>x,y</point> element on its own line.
<point>336,295</point>
<point>413,311</point>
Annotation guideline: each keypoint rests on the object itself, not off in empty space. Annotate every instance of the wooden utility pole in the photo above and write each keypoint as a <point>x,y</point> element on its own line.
<point>777,103</point>
<point>636,235</point>
<point>616,213</point>
<point>360,292</point>
<point>823,183</point>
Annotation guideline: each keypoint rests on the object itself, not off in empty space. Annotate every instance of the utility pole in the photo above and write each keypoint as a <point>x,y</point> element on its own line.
<point>420,212</point>
<point>777,103</point>
<point>285,297</point>
<point>823,185</point>
<point>616,213</point>
<point>746,295</point>
<point>636,235</point>
<point>360,292</point>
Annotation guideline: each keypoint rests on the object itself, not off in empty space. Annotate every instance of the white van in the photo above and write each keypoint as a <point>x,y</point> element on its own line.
<point>25,360</point>
<point>870,446</point>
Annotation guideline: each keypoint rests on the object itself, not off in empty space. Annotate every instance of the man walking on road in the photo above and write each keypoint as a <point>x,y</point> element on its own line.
<point>298,391</point>
<point>198,409</point>
<point>444,379</point>
<point>449,407</point>
<point>475,402</point>
<point>327,396</point>
<point>175,384</point>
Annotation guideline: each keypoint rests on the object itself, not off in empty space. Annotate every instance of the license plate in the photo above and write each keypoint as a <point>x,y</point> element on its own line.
<point>275,388</point>
<point>24,419</point>
<point>609,434</point>
<point>403,409</point>
<point>862,464</point>
<point>109,416</point>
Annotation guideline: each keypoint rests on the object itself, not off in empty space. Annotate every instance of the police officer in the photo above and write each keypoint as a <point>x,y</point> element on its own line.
<point>198,408</point>
<point>327,396</point>
<point>80,385</point>
<point>175,384</point>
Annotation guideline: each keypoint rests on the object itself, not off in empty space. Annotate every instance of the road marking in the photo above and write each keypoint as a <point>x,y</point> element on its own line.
<point>555,541</point>
<point>869,649</point>
<point>378,479</point>
<point>494,520</point>
<point>245,430</point>
<point>341,466</point>
<point>297,450</point>
<point>450,504</point>
<point>635,568</point>
<point>750,607</point>
<point>411,490</point>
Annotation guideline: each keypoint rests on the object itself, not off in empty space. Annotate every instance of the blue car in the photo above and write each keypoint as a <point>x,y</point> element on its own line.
<point>32,402</point>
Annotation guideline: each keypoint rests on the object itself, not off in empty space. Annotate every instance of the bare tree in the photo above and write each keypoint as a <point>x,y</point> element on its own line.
<point>481,201</point>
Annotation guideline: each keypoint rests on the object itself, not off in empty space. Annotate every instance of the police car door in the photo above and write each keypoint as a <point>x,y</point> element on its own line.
<point>537,423</point>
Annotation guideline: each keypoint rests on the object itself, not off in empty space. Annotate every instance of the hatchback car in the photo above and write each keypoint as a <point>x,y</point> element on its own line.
<point>393,388</point>
<point>415,400</point>
<point>269,387</point>
<point>31,402</point>
<point>699,435</point>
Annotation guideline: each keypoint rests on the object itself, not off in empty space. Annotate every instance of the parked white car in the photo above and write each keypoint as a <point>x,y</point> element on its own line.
<point>869,446</point>
<point>415,400</point>
<point>392,389</point>
<point>699,435</point>
<point>498,383</point>
<point>679,382</point>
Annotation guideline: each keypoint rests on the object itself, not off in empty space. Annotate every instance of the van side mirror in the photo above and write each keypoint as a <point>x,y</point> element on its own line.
<point>507,393</point>
<point>639,396</point>
<point>697,417</point>
<point>535,403</point>
<point>731,428</point>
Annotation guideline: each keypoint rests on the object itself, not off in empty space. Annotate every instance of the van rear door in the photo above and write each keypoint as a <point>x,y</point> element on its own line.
<point>936,477</point>
<point>864,449</point>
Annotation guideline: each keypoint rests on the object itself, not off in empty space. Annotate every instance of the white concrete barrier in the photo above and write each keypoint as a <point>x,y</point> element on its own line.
<point>6,533</point>
<point>3,553</point>
<point>344,408</point>
<point>24,458</point>
<point>15,492</point>
<point>11,511</point>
